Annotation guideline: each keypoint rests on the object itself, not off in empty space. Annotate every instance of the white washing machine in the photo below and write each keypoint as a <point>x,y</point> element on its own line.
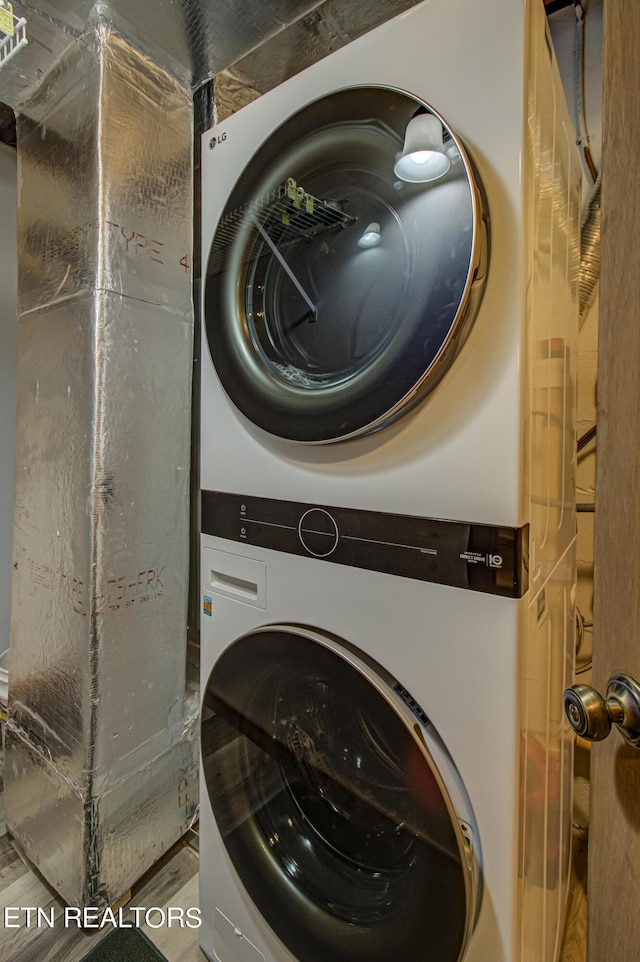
<point>385,767</point>
<point>391,242</point>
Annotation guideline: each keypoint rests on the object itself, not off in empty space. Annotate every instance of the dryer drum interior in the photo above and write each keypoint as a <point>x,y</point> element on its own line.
<point>337,294</point>
<point>335,803</point>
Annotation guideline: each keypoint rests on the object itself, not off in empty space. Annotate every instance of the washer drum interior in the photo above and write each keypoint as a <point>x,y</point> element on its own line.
<point>337,802</point>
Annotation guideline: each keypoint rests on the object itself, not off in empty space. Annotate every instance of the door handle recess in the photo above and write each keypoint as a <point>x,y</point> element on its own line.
<point>591,716</point>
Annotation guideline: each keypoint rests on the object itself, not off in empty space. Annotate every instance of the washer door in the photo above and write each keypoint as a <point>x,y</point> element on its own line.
<point>339,806</point>
<point>336,294</point>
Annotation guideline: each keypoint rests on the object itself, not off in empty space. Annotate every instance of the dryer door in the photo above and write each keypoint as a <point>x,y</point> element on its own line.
<point>338,293</point>
<point>339,806</point>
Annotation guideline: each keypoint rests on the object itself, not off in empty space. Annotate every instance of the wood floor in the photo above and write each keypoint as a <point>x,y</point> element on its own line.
<point>172,882</point>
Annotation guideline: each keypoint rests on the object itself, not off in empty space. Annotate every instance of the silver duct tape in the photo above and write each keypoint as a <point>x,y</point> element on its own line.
<point>231,92</point>
<point>590,250</point>
<point>310,38</point>
<point>106,180</point>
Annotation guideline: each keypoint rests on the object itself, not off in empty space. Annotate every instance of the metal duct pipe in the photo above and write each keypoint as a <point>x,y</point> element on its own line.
<point>101,763</point>
<point>590,250</point>
<point>303,41</point>
<point>193,39</point>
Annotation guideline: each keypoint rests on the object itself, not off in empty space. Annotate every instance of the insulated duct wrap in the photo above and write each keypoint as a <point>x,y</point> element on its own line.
<point>308,39</point>
<point>101,768</point>
<point>194,39</point>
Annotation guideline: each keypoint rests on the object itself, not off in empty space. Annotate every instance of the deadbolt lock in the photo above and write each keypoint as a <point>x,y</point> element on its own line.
<point>591,716</point>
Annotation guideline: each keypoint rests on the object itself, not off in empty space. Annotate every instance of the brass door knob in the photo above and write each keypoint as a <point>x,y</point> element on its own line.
<point>591,716</point>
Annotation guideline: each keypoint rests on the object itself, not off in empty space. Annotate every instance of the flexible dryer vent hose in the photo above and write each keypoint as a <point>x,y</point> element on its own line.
<point>590,250</point>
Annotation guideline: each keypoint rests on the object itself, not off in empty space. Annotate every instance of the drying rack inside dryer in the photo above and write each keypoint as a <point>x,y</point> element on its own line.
<point>287,213</point>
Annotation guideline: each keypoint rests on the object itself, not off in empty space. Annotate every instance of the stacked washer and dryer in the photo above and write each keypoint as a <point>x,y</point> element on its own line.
<point>391,242</point>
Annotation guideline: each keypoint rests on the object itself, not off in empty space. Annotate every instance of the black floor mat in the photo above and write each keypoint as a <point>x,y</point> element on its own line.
<point>125,945</point>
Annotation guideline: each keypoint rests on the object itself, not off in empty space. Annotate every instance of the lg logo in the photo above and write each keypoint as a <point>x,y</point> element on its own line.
<point>217,140</point>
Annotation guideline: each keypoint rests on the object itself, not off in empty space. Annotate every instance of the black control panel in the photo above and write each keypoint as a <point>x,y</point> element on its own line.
<point>479,557</point>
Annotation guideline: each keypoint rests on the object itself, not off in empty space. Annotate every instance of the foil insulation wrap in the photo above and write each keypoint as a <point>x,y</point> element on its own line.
<point>193,39</point>
<point>101,767</point>
<point>305,41</point>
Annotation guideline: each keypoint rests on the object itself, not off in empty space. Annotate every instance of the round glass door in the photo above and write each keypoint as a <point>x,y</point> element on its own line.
<point>343,276</point>
<point>333,798</point>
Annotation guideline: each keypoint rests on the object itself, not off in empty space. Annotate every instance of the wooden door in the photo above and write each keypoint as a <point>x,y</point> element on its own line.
<point>614,845</point>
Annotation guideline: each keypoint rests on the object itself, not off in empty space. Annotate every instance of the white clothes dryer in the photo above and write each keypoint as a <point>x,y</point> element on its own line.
<point>425,323</point>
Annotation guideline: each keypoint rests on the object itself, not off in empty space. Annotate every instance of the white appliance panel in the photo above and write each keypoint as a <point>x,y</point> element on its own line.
<point>460,454</point>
